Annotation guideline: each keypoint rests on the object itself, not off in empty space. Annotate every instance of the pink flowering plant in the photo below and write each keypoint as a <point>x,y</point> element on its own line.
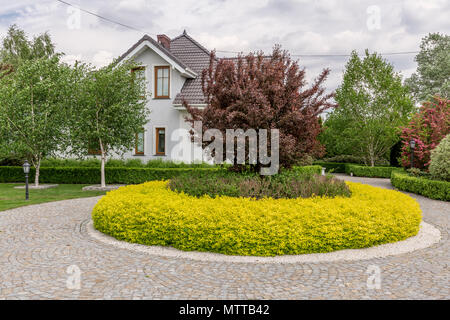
<point>427,128</point>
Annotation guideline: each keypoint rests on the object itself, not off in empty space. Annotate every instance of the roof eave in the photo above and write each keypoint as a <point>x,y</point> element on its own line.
<point>184,70</point>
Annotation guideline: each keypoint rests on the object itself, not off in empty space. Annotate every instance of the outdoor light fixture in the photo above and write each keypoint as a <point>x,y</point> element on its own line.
<point>323,171</point>
<point>412,144</point>
<point>26,170</point>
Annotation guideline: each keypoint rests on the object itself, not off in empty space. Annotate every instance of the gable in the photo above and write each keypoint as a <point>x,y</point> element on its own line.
<point>147,43</point>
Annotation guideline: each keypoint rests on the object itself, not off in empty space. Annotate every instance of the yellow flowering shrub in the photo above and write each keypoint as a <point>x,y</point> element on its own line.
<point>152,214</point>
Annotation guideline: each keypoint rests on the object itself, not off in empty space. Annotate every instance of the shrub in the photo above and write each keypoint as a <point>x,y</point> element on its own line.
<point>440,160</point>
<point>130,163</point>
<point>287,184</point>
<point>335,167</point>
<point>352,159</point>
<point>264,92</point>
<point>152,214</point>
<point>427,129</point>
<point>159,163</point>
<point>371,172</point>
<point>434,189</point>
<point>314,169</point>
<point>306,160</point>
<point>56,162</point>
<point>90,175</point>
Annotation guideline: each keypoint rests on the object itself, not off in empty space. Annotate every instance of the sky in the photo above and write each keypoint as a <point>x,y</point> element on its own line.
<point>303,27</point>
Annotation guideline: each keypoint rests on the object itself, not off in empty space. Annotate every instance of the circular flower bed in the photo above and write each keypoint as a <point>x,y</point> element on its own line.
<point>152,214</point>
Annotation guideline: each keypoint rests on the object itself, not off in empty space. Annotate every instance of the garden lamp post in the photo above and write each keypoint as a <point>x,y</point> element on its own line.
<point>26,170</point>
<point>412,144</point>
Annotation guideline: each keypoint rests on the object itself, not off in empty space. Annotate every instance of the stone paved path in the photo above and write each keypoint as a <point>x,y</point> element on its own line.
<point>38,243</point>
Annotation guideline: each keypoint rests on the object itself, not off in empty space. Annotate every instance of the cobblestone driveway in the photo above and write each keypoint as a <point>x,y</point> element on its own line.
<point>38,243</point>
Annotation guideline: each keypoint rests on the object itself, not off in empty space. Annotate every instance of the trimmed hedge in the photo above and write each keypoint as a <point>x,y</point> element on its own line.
<point>152,214</point>
<point>371,172</point>
<point>129,163</point>
<point>434,189</point>
<point>308,169</point>
<point>335,167</point>
<point>91,175</point>
<point>87,175</point>
<point>288,184</point>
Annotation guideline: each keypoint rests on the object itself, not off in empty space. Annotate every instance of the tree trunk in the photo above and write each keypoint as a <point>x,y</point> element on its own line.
<point>103,161</point>
<point>36,176</point>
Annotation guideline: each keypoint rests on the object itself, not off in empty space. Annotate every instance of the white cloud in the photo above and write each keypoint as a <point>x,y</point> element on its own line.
<point>71,58</point>
<point>301,26</point>
<point>102,58</point>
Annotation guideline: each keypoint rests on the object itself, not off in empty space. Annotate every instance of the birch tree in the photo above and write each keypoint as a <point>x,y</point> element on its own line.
<point>372,104</point>
<point>110,110</point>
<point>33,109</point>
<point>433,68</point>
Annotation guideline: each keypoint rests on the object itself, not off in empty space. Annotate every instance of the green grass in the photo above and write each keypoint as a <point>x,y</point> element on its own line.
<point>13,198</point>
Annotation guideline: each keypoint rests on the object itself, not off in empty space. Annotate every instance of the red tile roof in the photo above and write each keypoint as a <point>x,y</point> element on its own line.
<point>188,53</point>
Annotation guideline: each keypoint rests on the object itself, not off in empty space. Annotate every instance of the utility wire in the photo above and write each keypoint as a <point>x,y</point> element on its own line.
<point>104,18</point>
<point>226,51</point>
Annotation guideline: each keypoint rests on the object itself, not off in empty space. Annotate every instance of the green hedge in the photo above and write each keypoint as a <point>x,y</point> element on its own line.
<point>91,175</point>
<point>86,175</point>
<point>335,167</point>
<point>371,172</point>
<point>129,163</point>
<point>434,189</point>
<point>308,169</point>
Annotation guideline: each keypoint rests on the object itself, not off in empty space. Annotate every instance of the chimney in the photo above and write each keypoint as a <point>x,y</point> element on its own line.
<point>164,41</point>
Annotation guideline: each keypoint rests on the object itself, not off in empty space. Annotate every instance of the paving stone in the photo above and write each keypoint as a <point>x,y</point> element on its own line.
<point>39,243</point>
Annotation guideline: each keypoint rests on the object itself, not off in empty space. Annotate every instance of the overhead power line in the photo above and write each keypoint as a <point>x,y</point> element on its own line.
<point>224,51</point>
<point>104,18</point>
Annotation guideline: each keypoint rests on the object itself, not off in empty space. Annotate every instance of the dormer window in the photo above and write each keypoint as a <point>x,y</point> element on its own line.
<point>162,82</point>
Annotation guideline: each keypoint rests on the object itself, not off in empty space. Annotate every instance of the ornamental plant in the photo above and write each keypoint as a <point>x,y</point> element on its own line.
<point>373,103</point>
<point>440,160</point>
<point>34,103</point>
<point>152,214</point>
<point>427,128</point>
<point>110,110</point>
<point>264,92</point>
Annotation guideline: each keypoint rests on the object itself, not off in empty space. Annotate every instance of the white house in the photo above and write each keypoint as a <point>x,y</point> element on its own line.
<point>172,69</point>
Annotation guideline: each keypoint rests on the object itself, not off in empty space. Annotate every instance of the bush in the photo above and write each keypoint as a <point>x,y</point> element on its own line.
<point>55,162</point>
<point>91,175</point>
<point>440,160</point>
<point>314,169</point>
<point>371,172</point>
<point>434,189</point>
<point>352,159</point>
<point>287,184</point>
<point>306,160</point>
<point>129,163</point>
<point>427,128</point>
<point>11,160</point>
<point>335,167</point>
<point>152,214</point>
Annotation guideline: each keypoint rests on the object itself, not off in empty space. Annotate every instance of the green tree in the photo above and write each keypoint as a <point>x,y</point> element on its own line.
<point>33,108</point>
<point>372,104</point>
<point>17,48</point>
<point>433,68</point>
<point>110,110</point>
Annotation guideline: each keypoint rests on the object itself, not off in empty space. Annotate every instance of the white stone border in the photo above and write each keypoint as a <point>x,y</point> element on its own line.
<point>427,236</point>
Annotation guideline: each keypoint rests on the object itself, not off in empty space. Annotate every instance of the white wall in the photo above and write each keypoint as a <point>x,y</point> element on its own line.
<point>163,114</point>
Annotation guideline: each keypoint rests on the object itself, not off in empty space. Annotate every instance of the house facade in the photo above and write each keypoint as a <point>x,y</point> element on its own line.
<point>172,69</point>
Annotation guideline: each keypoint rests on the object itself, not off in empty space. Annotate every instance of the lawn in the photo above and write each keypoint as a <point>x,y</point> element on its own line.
<point>13,198</point>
